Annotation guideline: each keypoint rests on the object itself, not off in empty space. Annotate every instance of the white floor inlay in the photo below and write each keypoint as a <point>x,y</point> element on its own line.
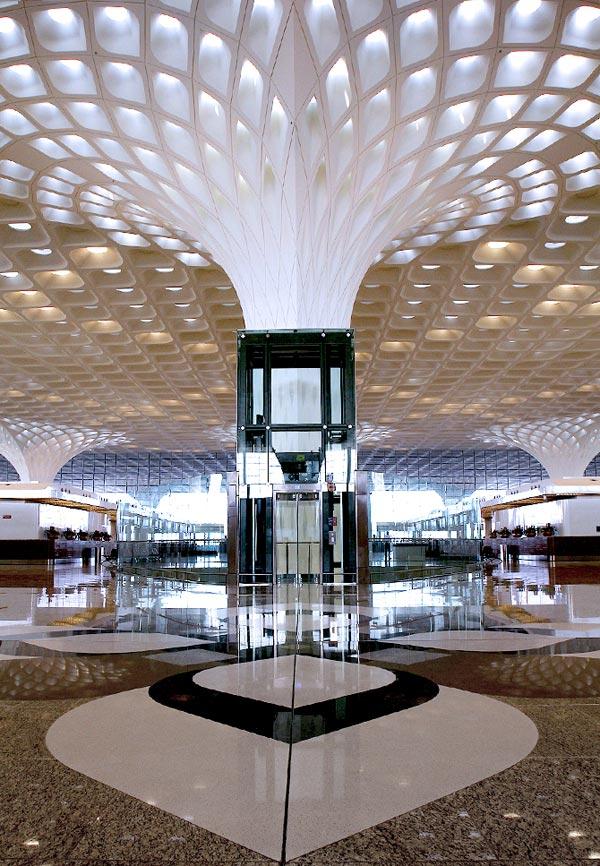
<point>568,629</point>
<point>117,642</point>
<point>232,782</point>
<point>13,631</point>
<point>271,680</point>
<point>400,656</point>
<point>191,657</point>
<point>593,654</point>
<point>477,641</point>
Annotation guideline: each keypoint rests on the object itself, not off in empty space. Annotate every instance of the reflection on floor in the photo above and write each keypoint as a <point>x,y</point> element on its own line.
<point>323,753</point>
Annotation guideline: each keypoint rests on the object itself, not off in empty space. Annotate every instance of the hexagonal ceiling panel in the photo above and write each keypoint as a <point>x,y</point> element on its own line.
<point>173,170</point>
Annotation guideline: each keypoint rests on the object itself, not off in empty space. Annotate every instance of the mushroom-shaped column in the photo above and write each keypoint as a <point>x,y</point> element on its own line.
<point>563,446</point>
<point>38,451</point>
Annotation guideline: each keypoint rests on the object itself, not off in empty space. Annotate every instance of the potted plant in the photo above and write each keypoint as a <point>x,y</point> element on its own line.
<point>530,531</point>
<point>504,532</point>
<point>517,532</point>
<point>547,530</point>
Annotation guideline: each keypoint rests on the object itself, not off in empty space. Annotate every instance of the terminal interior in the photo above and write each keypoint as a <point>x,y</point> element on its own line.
<point>299,434</point>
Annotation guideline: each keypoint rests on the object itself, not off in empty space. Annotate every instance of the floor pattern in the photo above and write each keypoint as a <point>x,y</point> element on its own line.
<point>340,783</point>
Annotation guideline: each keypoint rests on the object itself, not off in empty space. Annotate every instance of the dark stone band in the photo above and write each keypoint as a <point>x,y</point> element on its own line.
<point>277,722</point>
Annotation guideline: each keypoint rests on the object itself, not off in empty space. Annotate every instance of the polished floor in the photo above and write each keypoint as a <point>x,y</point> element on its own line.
<point>451,718</point>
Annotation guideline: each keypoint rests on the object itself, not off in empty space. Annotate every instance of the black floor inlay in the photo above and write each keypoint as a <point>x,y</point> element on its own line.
<point>281,723</point>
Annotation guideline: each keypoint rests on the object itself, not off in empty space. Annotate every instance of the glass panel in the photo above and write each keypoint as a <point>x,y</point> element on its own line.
<point>299,455</point>
<point>335,387</point>
<point>252,462</point>
<point>258,411</point>
<point>295,395</point>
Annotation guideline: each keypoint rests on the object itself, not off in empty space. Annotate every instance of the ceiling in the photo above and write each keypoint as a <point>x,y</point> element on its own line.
<point>172,171</point>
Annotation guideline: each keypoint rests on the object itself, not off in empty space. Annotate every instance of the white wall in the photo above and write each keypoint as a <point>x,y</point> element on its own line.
<point>581,516</point>
<point>24,520</point>
<point>577,516</point>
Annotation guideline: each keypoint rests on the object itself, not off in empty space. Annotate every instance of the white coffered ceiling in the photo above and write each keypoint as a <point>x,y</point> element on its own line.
<point>171,171</point>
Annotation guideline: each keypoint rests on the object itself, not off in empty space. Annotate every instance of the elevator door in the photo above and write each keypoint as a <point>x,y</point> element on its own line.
<point>297,535</point>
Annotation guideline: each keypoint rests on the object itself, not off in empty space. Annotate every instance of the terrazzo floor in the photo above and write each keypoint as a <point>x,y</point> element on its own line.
<point>541,810</point>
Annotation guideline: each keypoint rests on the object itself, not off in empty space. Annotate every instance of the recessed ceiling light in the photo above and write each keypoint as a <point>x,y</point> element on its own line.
<point>190,320</point>
<point>182,306</point>
<point>41,251</point>
<point>97,251</point>
<point>125,291</point>
<point>574,219</point>
<point>471,285</point>
<point>460,302</point>
<point>116,13</point>
<point>164,270</point>
<point>173,288</point>
<point>61,16</point>
<point>554,245</point>
<point>10,274</point>
<point>483,267</point>
<point>136,306</point>
<point>20,227</point>
<point>497,245</point>
<point>422,285</point>
<point>111,270</point>
<point>146,320</point>
<point>61,273</point>
<point>412,303</point>
<point>588,267</point>
<point>430,267</point>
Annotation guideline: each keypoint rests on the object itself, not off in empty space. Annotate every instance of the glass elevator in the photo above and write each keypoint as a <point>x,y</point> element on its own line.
<point>296,456</point>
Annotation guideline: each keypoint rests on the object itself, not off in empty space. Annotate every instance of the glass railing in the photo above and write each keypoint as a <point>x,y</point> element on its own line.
<point>186,554</point>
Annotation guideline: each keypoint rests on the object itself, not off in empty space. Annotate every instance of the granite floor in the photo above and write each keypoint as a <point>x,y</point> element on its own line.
<point>542,811</point>
<point>72,640</point>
